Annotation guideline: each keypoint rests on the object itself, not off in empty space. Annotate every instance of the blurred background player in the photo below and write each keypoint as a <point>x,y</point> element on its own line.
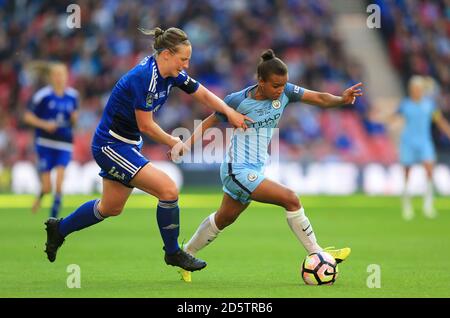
<point>419,110</point>
<point>242,171</point>
<point>53,112</point>
<point>117,143</point>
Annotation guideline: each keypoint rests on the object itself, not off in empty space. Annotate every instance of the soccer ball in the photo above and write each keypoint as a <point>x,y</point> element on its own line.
<point>319,269</point>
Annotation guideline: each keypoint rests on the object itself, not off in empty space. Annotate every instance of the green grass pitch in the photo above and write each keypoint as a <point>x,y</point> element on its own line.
<point>258,256</point>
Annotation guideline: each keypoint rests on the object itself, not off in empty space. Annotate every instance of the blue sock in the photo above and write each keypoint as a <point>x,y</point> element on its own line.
<point>168,216</point>
<point>56,205</point>
<point>83,217</point>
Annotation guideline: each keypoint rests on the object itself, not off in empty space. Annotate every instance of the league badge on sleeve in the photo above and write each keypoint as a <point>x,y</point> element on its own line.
<point>149,100</point>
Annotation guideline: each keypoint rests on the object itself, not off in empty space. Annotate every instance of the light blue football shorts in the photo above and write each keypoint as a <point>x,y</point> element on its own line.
<point>416,152</point>
<point>240,180</point>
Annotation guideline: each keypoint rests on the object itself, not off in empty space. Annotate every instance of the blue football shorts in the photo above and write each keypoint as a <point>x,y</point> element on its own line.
<point>119,161</point>
<point>240,180</point>
<point>49,158</point>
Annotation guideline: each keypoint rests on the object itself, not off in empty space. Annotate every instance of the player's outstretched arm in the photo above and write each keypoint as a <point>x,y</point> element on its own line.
<point>208,122</point>
<point>148,126</point>
<point>330,100</point>
<point>74,118</point>
<point>207,98</point>
<point>442,123</point>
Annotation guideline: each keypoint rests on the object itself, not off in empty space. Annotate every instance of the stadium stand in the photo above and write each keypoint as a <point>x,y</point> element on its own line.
<point>227,38</point>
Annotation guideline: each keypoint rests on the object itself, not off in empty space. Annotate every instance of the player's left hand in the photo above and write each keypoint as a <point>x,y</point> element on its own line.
<point>350,94</point>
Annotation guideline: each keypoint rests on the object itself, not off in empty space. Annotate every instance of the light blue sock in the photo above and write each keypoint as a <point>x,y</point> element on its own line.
<point>83,217</point>
<point>168,216</point>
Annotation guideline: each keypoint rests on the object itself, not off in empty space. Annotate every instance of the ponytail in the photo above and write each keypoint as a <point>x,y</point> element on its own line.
<point>270,64</point>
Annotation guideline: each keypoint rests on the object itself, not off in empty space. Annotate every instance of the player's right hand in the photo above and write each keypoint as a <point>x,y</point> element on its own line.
<point>51,126</point>
<point>238,120</point>
<point>176,153</point>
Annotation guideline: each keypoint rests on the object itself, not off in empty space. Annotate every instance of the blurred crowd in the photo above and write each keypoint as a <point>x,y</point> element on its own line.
<point>227,38</point>
<point>417,33</point>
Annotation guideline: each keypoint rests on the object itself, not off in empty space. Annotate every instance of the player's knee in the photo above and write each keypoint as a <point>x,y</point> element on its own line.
<point>115,211</point>
<point>169,194</point>
<point>109,210</point>
<point>46,189</point>
<point>292,203</point>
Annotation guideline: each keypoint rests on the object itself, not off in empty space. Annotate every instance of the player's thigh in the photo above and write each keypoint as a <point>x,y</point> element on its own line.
<point>114,197</point>
<point>229,210</point>
<point>428,165</point>
<point>155,182</point>
<point>272,192</point>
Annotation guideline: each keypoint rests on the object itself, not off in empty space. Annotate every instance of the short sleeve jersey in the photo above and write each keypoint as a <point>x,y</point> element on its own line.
<point>142,88</point>
<point>47,105</point>
<point>251,145</point>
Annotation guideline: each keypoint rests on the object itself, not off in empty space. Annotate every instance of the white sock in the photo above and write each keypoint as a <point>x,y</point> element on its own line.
<point>428,196</point>
<point>303,230</point>
<point>205,234</point>
<point>406,197</point>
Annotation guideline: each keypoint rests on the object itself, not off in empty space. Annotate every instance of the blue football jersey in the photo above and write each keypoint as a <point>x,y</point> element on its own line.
<point>46,105</point>
<point>251,146</point>
<point>142,88</point>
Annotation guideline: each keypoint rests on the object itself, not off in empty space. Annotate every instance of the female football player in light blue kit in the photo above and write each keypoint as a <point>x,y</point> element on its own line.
<point>53,112</point>
<point>242,171</point>
<point>419,110</point>
<point>117,143</point>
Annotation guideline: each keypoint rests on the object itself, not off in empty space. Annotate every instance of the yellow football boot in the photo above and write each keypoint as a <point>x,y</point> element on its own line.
<point>185,275</point>
<point>340,254</point>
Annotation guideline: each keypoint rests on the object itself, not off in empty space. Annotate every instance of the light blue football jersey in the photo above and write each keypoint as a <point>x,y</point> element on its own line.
<point>251,146</point>
<point>418,118</point>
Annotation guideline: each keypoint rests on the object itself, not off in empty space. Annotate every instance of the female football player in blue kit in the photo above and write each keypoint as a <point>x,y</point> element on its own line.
<point>117,142</point>
<point>53,112</point>
<point>242,171</point>
<point>419,110</point>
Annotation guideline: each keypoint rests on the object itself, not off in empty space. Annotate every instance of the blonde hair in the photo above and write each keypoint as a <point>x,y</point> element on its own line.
<point>41,70</point>
<point>416,80</point>
<point>167,39</point>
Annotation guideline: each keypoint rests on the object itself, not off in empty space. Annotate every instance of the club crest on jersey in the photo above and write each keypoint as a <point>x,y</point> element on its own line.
<point>276,104</point>
<point>252,177</point>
